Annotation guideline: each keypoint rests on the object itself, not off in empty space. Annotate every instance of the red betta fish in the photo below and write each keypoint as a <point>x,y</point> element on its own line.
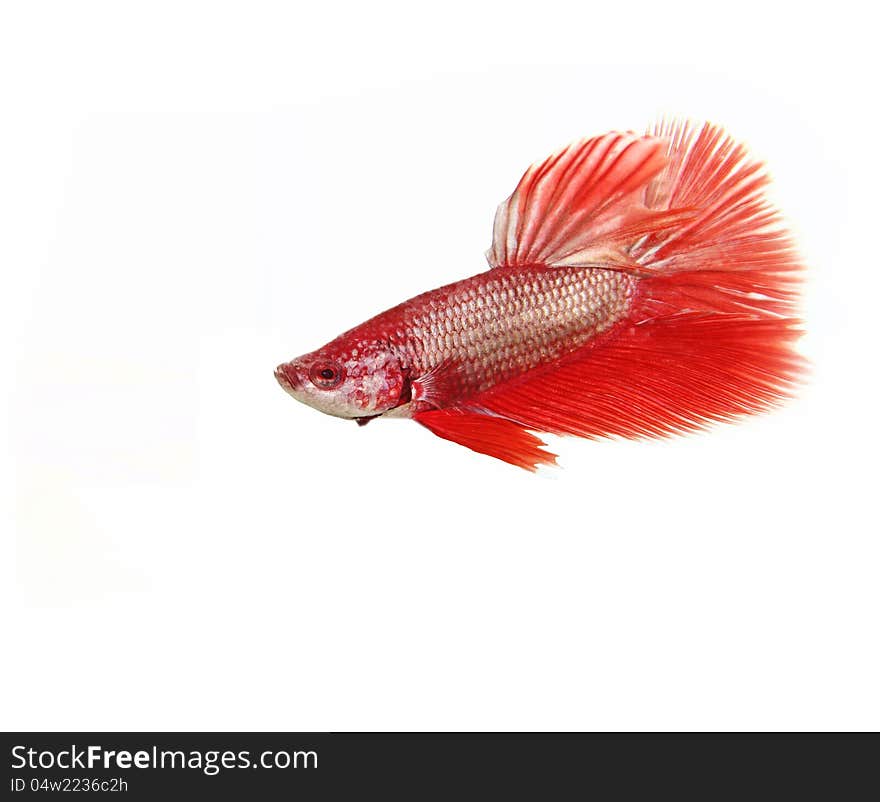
<point>639,286</point>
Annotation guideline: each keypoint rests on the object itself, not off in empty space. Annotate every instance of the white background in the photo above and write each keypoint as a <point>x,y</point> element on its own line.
<point>192,194</point>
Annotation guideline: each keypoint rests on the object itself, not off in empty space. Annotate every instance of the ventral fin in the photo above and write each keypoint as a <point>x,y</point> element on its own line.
<point>487,434</point>
<point>582,203</point>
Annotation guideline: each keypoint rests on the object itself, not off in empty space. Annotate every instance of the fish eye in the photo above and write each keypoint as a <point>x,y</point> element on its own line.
<point>326,375</point>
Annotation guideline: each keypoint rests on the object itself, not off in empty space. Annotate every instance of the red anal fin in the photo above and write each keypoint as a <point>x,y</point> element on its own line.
<point>663,376</point>
<point>486,434</point>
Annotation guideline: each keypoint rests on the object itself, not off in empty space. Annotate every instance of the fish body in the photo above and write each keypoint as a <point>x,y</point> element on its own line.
<point>639,286</point>
<point>460,340</point>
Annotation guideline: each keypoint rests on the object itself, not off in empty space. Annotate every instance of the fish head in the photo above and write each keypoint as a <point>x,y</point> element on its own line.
<point>346,379</point>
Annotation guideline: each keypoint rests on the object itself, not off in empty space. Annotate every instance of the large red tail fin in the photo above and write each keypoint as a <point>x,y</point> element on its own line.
<point>733,256</point>
<point>711,334</point>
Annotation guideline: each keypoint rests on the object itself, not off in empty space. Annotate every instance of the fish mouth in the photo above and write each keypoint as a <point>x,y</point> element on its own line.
<point>286,376</point>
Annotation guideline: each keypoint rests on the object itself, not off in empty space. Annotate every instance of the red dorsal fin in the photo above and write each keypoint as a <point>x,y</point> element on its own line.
<point>581,203</point>
<point>486,434</point>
